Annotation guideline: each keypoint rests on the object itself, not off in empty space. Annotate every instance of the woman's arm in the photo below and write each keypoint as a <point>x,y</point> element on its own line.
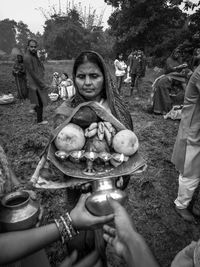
<point>19,244</point>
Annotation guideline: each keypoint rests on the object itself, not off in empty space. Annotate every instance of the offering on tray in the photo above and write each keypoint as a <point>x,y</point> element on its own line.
<point>62,155</point>
<point>93,142</point>
<point>70,138</point>
<point>125,142</point>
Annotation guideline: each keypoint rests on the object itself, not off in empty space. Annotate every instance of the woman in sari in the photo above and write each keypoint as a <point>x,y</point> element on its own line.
<point>20,77</point>
<point>168,90</point>
<point>92,82</point>
<point>174,62</point>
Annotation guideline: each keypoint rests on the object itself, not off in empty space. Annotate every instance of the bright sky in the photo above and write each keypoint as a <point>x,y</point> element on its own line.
<point>28,10</point>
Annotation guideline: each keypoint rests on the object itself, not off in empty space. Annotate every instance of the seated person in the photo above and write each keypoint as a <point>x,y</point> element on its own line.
<point>174,62</point>
<point>169,90</point>
<point>66,88</point>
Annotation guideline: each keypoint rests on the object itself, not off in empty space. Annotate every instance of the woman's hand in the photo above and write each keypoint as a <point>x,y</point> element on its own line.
<point>92,260</point>
<point>83,219</point>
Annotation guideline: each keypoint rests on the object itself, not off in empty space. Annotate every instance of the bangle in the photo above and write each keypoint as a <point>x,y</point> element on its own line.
<point>61,230</point>
<point>65,228</point>
<point>70,223</point>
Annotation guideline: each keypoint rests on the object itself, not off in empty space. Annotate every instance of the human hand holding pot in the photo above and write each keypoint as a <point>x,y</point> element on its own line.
<point>83,219</point>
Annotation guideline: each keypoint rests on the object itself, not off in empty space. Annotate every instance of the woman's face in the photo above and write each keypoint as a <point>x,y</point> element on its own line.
<point>89,81</point>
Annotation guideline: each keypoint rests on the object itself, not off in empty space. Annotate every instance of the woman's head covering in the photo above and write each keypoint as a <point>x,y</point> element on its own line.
<point>116,103</point>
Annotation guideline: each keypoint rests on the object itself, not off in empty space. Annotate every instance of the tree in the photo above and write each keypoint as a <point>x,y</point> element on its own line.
<point>156,26</point>
<point>64,36</point>
<point>68,32</point>
<point>7,33</point>
<point>23,34</point>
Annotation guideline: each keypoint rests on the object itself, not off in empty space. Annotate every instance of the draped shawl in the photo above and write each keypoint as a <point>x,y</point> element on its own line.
<point>115,102</point>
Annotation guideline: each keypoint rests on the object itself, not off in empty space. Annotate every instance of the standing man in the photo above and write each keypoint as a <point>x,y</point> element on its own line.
<point>186,153</point>
<point>38,90</point>
<point>134,62</point>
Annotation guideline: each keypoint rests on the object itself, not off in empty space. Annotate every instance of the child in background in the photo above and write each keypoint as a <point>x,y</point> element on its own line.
<point>66,88</point>
<point>55,82</point>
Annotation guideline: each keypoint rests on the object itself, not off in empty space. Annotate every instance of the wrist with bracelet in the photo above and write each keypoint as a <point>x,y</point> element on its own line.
<point>65,227</point>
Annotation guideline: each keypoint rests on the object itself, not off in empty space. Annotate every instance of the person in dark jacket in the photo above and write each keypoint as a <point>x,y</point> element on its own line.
<point>38,90</point>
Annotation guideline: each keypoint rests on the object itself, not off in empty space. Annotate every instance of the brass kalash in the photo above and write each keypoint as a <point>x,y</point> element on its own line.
<point>96,163</point>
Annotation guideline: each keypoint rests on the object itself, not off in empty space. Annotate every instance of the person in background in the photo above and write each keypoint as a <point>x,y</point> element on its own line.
<point>137,66</point>
<point>32,242</point>
<point>38,90</point>
<point>174,62</point>
<point>66,88</point>
<point>196,59</point>
<point>169,90</point>
<point>186,153</point>
<point>120,70</point>
<point>20,77</point>
<point>140,70</point>
<point>55,83</point>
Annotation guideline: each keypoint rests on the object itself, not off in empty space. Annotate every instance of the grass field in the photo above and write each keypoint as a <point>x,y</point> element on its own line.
<point>151,194</point>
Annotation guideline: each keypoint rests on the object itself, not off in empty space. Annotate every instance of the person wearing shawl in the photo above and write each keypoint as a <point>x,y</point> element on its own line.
<point>20,77</point>
<point>174,62</point>
<point>168,90</point>
<point>92,82</point>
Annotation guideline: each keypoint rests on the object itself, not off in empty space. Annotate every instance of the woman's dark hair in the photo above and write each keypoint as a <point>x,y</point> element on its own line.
<point>90,57</point>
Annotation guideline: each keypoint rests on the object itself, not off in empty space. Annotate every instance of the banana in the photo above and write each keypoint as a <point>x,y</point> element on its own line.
<point>108,136</point>
<point>108,125</point>
<point>100,134</point>
<point>113,131</point>
<point>92,132</point>
<point>101,127</point>
<point>93,126</point>
<point>86,132</point>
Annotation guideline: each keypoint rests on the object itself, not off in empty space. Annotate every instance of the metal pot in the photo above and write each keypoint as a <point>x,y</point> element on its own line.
<point>97,202</point>
<point>18,211</point>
